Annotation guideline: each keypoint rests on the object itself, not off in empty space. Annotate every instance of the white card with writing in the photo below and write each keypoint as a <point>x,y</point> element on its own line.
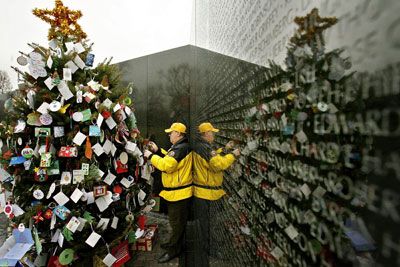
<point>73,224</point>
<point>70,46</point>
<point>79,62</point>
<point>109,178</point>
<point>98,149</point>
<point>291,232</point>
<point>78,176</point>
<point>82,222</point>
<point>117,107</point>
<point>93,239</point>
<point>109,260</point>
<point>79,138</point>
<point>104,201</point>
<point>101,173</point>
<point>114,222</point>
<point>49,83</point>
<point>111,123</point>
<point>125,182</point>
<point>76,195</point>
<point>79,48</point>
<point>64,90</point>
<point>66,178</point>
<point>53,43</point>
<point>107,146</point>
<point>90,197</point>
<point>44,108</point>
<point>61,198</point>
<point>100,120</point>
<point>107,103</point>
<point>305,189</point>
<point>67,74</point>
<point>71,65</point>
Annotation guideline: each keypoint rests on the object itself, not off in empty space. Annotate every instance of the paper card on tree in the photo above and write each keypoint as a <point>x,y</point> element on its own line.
<point>85,168</point>
<point>109,178</point>
<point>89,97</point>
<point>117,107</point>
<point>79,62</point>
<point>79,48</point>
<point>54,238</point>
<point>98,149</point>
<point>67,74</point>
<point>109,260</point>
<point>103,224</point>
<point>76,195</point>
<point>71,65</point>
<point>107,146</point>
<point>101,173</point>
<point>94,130</point>
<point>87,114</point>
<point>49,83</point>
<point>53,44</point>
<point>44,108</point>
<point>114,222</point>
<point>62,212</point>
<point>17,211</point>
<point>82,223</point>
<point>73,224</point>
<point>100,119</point>
<point>93,239</point>
<point>49,62</point>
<point>70,46</point>
<point>78,176</point>
<point>90,197</point>
<point>61,240</point>
<point>53,221</point>
<point>64,90</point>
<point>125,182</point>
<point>58,131</point>
<point>128,110</point>
<point>111,123</point>
<point>113,150</point>
<point>301,137</point>
<point>107,103</point>
<point>291,232</point>
<point>66,178</point>
<point>61,198</point>
<point>130,146</point>
<point>79,138</point>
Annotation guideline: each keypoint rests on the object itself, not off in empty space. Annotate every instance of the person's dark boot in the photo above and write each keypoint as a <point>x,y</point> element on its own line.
<point>166,257</point>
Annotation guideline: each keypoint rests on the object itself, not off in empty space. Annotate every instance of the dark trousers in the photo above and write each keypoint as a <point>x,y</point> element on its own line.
<point>177,214</point>
<point>202,214</point>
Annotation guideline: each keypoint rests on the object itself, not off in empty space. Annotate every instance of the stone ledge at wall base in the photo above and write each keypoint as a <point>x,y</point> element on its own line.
<point>148,240</point>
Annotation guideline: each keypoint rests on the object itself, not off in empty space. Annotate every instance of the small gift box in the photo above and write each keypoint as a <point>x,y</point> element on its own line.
<point>147,241</point>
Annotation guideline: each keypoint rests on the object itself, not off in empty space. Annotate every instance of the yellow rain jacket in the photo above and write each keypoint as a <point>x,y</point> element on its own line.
<point>176,168</point>
<point>208,170</point>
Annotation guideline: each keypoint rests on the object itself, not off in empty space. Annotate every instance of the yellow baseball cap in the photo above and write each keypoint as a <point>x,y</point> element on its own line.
<point>176,126</point>
<point>207,127</point>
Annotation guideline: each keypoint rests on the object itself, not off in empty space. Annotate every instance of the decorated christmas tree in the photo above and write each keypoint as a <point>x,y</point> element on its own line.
<point>72,170</point>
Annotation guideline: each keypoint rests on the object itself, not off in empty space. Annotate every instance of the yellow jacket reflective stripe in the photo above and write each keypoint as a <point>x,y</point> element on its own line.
<point>208,171</point>
<point>176,168</point>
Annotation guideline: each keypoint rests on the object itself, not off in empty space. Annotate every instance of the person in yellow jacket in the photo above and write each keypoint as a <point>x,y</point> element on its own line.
<point>208,171</point>
<point>176,168</point>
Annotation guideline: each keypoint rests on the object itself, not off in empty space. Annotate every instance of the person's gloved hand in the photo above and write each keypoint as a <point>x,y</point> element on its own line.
<point>153,147</point>
<point>147,153</point>
<point>236,152</point>
<point>229,145</point>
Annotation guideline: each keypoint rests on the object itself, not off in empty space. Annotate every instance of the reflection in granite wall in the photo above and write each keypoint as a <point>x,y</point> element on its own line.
<point>329,196</point>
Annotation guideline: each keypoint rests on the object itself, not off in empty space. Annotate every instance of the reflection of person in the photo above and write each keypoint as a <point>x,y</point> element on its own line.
<point>176,168</point>
<point>208,168</point>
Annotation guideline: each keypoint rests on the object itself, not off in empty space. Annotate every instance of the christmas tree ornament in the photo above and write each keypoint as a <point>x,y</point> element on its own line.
<point>46,119</point>
<point>89,60</point>
<point>77,116</point>
<point>55,106</point>
<point>38,217</point>
<point>66,257</point>
<point>20,127</point>
<point>22,60</point>
<point>88,149</point>
<point>38,194</point>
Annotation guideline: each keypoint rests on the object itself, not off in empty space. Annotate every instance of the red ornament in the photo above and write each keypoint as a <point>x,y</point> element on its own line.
<point>141,221</point>
<point>53,262</point>
<point>118,189</point>
<point>106,114</point>
<point>47,215</point>
<point>38,218</point>
<point>121,253</point>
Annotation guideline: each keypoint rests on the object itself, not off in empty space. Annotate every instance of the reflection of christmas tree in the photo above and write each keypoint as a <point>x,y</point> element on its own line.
<point>303,129</point>
<point>70,148</point>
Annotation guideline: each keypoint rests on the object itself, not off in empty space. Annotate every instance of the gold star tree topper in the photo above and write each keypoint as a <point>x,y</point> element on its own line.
<point>311,27</point>
<point>62,20</point>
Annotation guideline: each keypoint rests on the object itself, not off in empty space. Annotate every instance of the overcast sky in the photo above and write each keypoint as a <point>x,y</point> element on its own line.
<point>123,29</point>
